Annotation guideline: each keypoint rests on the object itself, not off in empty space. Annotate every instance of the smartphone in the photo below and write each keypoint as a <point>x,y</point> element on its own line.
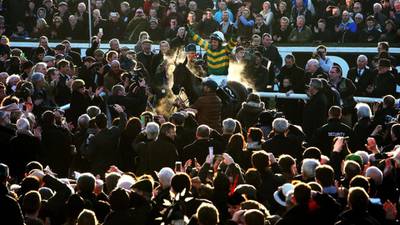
<point>178,166</point>
<point>101,30</point>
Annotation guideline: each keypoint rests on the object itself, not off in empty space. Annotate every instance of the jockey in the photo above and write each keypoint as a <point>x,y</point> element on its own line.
<point>217,54</point>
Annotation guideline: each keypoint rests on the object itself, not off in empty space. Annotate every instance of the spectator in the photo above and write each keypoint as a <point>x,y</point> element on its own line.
<point>301,33</point>
<point>163,152</point>
<point>293,73</point>
<point>250,110</point>
<point>358,201</point>
<point>346,31</point>
<point>384,83</point>
<point>321,32</point>
<point>259,27</point>
<point>244,25</point>
<point>207,25</point>
<point>283,30</point>
<point>370,33</point>
<point>315,110</point>
<point>222,8</point>
<point>104,144</point>
<point>209,106</point>
<point>137,24</point>
<point>361,76</point>
<point>268,15</point>
<point>226,26</point>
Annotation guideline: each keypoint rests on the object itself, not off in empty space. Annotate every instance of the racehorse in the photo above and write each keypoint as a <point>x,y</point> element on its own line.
<point>232,95</point>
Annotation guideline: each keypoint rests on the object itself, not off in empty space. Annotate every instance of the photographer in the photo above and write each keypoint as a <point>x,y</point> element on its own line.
<point>325,62</point>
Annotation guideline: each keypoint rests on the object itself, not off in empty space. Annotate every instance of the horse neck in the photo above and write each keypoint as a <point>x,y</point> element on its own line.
<point>192,87</point>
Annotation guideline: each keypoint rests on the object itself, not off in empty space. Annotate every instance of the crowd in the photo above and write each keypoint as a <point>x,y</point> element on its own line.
<point>91,140</point>
<point>294,21</point>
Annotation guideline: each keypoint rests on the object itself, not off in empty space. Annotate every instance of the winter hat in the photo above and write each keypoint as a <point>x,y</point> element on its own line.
<point>355,158</point>
<point>282,193</point>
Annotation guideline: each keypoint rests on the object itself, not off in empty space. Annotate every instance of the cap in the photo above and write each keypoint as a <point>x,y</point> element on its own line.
<point>147,41</point>
<point>190,48</point>
<point>355,158</point>
<point>384,62</point>
<point>210,83</point>
<point>144,185</point>
<point>60,56</point>
<point>48,58</point>
<point>282,193</point>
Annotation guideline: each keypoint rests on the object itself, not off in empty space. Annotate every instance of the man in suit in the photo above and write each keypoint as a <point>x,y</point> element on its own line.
<point>199,148</point>
<point>361,75</point>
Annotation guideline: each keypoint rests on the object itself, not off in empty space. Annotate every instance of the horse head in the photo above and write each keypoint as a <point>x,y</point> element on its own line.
<point>180,76</point>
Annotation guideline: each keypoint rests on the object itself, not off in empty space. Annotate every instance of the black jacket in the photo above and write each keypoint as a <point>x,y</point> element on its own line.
<point>296,76</point>
<point>199,150</point>
<point>351,217</point>
<point>323,137</point>
<point>248,114</point>
<point>57,149</point>
<point>162,153</point>
<point>9,208</point>
<point>362,81</point>
<point>103,147</point>
<point>384,84</point>
<point>314,114</point>
<point>25,147</point>
<point>280,144</point>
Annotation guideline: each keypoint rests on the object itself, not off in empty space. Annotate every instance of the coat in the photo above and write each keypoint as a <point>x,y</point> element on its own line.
<point>362,81</point>
<point>57,149</point>
<point>10,210</point>
<point>351,217</point>
<point>209,109</point>
<point>103,147</point>
<point>296,76</point>
<point>314,113</point>
<point>161,153</point>
<point>281,144</point>
<point>323,137</point>
<point>248,114</point>
<point>384,84</point>
<point>26,148</point>
<point>199,150</point>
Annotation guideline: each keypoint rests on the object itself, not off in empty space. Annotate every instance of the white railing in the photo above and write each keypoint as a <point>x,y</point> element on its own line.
<point>305,97</point>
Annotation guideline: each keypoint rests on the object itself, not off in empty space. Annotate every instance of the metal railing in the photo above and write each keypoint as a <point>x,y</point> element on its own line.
<point>305,97</point>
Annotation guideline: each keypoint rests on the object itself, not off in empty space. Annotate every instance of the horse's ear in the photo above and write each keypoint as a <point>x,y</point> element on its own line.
<point>185,62</point>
